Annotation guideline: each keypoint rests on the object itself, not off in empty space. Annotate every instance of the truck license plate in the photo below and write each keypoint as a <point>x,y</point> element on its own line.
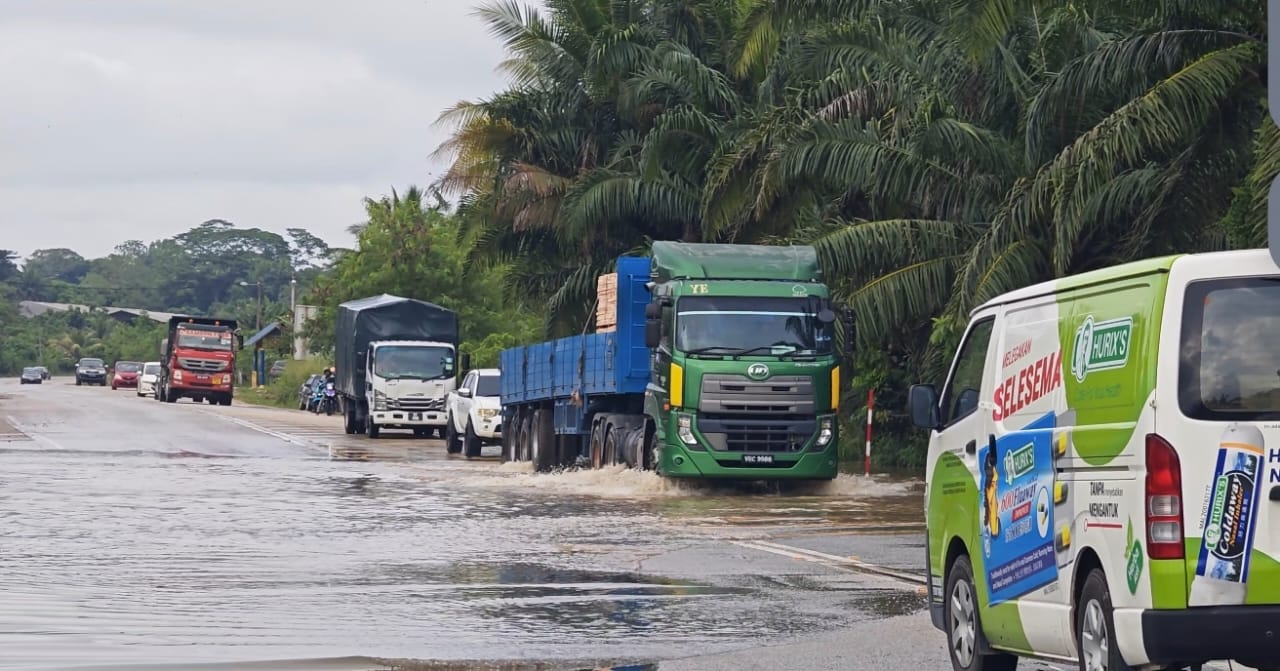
<point>757,458</point>
<point>415,417</point>
<point>202,378</point>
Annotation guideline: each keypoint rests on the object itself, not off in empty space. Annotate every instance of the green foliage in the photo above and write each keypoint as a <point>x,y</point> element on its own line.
<point>937,153</point>
<point>414,249</point>
<point>282,392</point>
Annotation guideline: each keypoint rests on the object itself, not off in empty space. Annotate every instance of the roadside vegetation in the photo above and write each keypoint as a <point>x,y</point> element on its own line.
<point>936,153</point>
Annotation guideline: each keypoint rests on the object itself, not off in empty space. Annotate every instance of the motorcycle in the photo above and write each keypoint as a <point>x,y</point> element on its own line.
<point>330,400</point>
<point>317,396</point>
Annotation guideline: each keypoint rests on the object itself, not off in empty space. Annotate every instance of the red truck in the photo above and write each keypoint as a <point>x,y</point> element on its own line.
<point>198,360</point>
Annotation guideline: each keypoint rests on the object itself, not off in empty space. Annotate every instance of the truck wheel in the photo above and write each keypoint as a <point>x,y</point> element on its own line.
<point>170,396</point>
<point>508,438</point>
<point>611,444</point>
<point>596,446</point>
<point>541,445</point>
<point>1095,626</point>
<point>523,438</point>
<point>470,441</point>
<point>371,429</point>
<point>963,626</point>
<point>450,437</point>
<point>77,382</point>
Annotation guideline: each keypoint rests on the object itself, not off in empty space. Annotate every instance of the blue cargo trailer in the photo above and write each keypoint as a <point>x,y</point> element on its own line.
<point>574,378</point>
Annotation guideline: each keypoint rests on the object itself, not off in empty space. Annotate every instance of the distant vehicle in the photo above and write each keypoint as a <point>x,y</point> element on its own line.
<point>395,364</point>
<point>125,374</point>
<point>31,375</point>
<point>91,371</point>
<point>198,359</point>
<point>277,369</point>
<point>304,391</point>
<point>147,380</point>
<point>473,413</point>
<point>44,372</point>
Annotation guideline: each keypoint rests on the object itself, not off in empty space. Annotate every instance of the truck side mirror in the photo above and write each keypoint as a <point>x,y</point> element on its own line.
<point>850,328</point>
<point>466,361</point>
<point>652,333</point>
<point>922,401</point>
<point>652,311</point>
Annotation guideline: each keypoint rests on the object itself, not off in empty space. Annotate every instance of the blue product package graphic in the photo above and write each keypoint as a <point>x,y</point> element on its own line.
<point>1017,510</point>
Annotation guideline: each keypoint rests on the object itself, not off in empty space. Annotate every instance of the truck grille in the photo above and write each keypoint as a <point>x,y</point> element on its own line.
<point>416,404</point>
<point>202,365</point>
<point>781,395</point>
<point>739,433</point>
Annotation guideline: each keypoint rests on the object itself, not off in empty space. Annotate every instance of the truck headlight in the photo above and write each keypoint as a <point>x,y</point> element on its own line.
<point>177,375</point>
<point>486,413</point>
<point>379,400</point>
<point>684,428</point>
<point>826,431</point>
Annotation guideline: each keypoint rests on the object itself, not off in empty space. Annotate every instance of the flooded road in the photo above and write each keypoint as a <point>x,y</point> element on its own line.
<point>141,533</point>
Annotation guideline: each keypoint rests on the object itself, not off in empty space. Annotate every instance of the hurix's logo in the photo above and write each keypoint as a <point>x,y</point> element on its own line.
<point>758,371</point>
<point>1101,346</point>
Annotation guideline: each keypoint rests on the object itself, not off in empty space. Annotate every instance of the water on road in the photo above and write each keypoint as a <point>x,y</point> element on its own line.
<point>136,532</point>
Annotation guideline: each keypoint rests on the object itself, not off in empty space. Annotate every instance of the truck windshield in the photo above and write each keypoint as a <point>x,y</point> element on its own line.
<point>204,339</point>
<point>1230,360</point>
<point>728,324</point>
<point>395,362</point>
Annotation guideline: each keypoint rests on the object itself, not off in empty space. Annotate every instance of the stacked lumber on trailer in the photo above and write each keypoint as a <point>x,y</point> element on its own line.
<point>607,303</point>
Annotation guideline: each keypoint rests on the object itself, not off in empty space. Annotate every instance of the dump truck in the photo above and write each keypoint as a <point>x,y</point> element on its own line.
<point>395,362</point>
<point>198,360</point>
<point>709,361</point>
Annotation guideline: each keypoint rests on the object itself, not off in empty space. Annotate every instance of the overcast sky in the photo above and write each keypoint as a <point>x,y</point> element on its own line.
<point>139,119</point>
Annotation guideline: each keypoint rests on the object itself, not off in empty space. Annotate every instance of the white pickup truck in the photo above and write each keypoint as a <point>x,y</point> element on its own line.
<point>473,410</point>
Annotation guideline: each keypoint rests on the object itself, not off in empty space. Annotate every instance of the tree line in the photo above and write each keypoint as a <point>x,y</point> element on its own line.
<point>936,153</point>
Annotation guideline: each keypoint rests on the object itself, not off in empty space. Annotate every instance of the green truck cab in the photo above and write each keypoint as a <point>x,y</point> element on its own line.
<point>722,364</point>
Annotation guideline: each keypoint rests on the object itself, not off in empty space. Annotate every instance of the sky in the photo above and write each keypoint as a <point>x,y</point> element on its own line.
<point>140,119</point>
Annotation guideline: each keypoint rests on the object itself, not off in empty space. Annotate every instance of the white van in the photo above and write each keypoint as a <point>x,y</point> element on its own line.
<point>1103,480</point>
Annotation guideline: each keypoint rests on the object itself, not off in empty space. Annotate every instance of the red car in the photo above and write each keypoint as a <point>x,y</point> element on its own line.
<point>125,374</point>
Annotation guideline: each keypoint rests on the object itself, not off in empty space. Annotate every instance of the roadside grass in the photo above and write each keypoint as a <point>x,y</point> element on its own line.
<point>282,392</point>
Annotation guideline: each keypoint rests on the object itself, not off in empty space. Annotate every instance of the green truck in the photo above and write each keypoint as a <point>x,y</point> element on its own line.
<point>721,363</point>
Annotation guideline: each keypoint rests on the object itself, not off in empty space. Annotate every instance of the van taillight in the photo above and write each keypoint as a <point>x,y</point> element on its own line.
<point>1164,500</point>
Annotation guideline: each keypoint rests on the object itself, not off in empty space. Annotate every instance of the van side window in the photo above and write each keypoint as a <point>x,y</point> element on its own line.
<point>960,398</point>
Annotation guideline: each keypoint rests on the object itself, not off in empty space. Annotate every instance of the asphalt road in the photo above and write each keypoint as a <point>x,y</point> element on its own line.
<point>140,534</point>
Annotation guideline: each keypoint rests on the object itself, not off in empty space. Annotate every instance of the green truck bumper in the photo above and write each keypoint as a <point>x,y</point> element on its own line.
<point>678,462</point>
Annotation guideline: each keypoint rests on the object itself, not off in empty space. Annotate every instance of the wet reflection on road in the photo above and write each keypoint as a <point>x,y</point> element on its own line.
<point>155,534</point>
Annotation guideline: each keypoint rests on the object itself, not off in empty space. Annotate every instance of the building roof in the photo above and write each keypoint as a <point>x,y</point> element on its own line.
<point>36,308</point>
<point>274,328</point>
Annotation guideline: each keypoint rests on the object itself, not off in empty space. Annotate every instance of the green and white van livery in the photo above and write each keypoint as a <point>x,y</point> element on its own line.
<point>1103,477</point>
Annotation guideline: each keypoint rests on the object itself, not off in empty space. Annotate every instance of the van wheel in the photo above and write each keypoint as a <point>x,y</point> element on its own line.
<point>1095,624</point>
<point>470,442</point>
<point>450,437</point>
<point>965,639</point>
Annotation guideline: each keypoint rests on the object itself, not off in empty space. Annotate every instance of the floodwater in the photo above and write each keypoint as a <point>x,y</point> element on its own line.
<point>140,533</point>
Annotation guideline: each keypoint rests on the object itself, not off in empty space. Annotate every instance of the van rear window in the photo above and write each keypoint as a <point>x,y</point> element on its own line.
<point>1229,367</point>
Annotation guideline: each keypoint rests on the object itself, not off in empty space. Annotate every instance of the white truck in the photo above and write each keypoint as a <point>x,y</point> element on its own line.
<point>395,364</point>
<point>474,414</point>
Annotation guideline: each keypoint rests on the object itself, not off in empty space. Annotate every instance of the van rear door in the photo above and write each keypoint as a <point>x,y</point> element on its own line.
<point>1225,430</point>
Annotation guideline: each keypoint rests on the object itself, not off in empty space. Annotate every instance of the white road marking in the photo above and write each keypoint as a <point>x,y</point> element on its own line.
<point>33,435</point>
<point>286,437</point>
<point>831,560</point>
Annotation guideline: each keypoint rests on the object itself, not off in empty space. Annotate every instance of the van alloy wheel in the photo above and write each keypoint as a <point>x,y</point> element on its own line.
<point>1096,648</point>
<point>963,623</point>
<point>1095,645</point>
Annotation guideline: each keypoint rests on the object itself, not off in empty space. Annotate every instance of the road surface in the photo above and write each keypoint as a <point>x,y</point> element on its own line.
<point>181,536</point>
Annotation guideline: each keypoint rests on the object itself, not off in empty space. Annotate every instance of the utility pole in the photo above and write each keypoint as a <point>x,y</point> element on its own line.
<point>258,326</point>
<point>293,288</point>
